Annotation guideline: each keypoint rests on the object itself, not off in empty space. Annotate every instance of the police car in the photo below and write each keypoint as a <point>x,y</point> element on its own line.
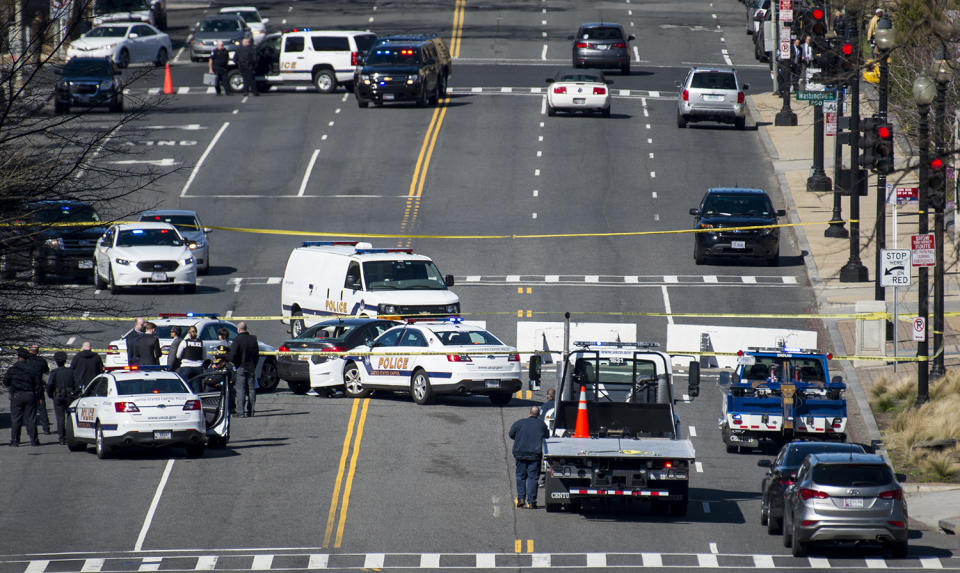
<point>431,358</point>
<point>207,326</point>
<point>136,407</point>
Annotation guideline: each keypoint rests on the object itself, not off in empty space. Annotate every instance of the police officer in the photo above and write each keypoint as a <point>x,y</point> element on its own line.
<point>23,382</point>
<point>173,361</point>
<point>61,387</point>
<point>247,63</point>
<point>219,60</point>
<point>190,355</point>
<point>39,363</point>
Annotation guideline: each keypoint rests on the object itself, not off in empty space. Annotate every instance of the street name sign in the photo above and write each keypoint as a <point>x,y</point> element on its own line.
<point>895,267</point>
<point>816,96</point>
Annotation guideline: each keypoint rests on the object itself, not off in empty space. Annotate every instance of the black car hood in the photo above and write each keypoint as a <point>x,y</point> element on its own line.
<point>389,69</point>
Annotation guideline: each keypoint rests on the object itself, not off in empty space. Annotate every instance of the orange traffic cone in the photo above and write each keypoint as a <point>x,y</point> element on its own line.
<point>583,428</point>
<point>167,82</point>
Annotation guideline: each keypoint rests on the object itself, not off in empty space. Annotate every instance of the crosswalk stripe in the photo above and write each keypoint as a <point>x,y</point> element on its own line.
<point>92,565</point>
<point>671,279</point>
<point>591,279</point>
<point>819,562</point>
<point>763,561</point>
<point>206,563</point>
<point>874,563</point>
<point>749,280</point>
<point>486,561</point>
<point>430,561</point>
<point>262,562</point>
<point>631,279</point>
<point>596,559</point>
<point>373,561</point>
<point>652,560</point>
<point>318,561</point>
<point>38,566</point>
<point>931,563</point>
<point>540,560</point>
<point>551,278</point>
<point>789,280</point>
<point>150,564</point>
<point>710,279</point>
<point>708,560</point>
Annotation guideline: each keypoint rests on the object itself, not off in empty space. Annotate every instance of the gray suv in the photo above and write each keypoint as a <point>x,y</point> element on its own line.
<point>602,45</point>
<point>712,94</point>
<point>845,497</point>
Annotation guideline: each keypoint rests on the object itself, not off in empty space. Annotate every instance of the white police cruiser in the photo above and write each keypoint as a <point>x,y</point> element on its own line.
<point>431,358</point>
<point>136,407</point>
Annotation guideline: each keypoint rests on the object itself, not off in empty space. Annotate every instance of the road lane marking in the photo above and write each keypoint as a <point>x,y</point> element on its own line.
<point>92,565</point>
<point>71,340</point>
<point>206,563</point>
<point>693,431</point>
<point>707,560</point>
<point>763,562</point>
<point>666,304</point>
<point>543,54</point>
<point>203,157</point>
<point>931,563</point>
<point>150,564</point>
<point>596,560</point>
<point>543,109</point>
<point>652,560</point>
<point>262,562</point>
<point>486,560</point>
<point>540,560</point>
<point>373,561</point>
<point>874,563</point>
<point>335,501</point>
<point>430,561</point>
<point>306,174</point>
<point>353,468</point>
<point>697,465</point>
<point>457,28</point>
<point>153,505</point>
<point>713,548</point>
<point>636,53</point>
<point>318,561</point>
<point>38,566</point>
<point>819,562</point>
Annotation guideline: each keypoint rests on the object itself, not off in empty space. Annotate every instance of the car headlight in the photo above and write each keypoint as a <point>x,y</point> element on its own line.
<point>452,308</point>
<point>108,46</point>
<point>193,245</point>
<point>53,243</point>
<point>188,261</point>
<point>412,79</point>
<point>387,309</point>
<point>120,261</point>
<point>106,84</point>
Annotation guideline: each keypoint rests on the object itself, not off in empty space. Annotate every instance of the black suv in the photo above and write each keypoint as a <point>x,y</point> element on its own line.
<point>89,82</point>
<point>735,209</point>
<point>401,68</point>
<point>52,238</point>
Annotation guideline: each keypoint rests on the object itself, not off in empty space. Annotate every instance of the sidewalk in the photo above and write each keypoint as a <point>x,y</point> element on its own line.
<point>932,506</point>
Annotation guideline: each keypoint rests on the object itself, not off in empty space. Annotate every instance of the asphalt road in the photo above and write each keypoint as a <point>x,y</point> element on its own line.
<point>383,483</point>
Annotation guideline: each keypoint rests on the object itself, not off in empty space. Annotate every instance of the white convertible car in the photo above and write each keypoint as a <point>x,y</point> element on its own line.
<point>578,90</point>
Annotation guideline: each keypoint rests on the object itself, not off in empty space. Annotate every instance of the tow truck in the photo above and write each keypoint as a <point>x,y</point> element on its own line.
<point>635,450</point>
<point>782,394</point>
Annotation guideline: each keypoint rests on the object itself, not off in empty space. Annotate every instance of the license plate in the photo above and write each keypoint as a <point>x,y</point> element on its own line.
<point>158,277</point>
<point>709,97</point>
<point>492,383</point>
<point>163,434</point>
<point>388,96</point>
<point>738,245</point>
<point>579,100</point>
<point>85,264</point>
<point>853,502</point>
<point>304,357</point>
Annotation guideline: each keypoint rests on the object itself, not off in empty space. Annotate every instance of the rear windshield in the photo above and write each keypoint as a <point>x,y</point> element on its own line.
<point>579,78</point>
<point>392,56</point>
<point>95,68</point>
<point>460,338</point>
<point>67,214</point>
<point>181,222</point>
<point>364,42</point>
<point>148,386</point>
<point>149,238</point>
<point>247,16</point>
<point>779,369</point>
<point>220,25</point>
<point>605,33</point>
<point>748,205</point>
<point>852,475</point>
<point>110,6</point>
<point>796,454</point>
<point>714,81</point>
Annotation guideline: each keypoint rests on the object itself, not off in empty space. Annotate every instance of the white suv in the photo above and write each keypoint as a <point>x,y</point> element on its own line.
<point>144,254</point>
<point>325,58</point>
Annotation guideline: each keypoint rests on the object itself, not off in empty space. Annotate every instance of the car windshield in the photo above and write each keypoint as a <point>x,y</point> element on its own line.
<point>67,214</point>
<point>107,32</point>
<point>326,332</point>
<point>581,77</point>
<point>223,25</point>
<point>604,33</point>
<point>796,453</point>
<point>851,475</point>
<point>88,68</point>
<point>794,368</point>
<point>247,15</point>
<point>134,386</point>
<point>402,275</point>
<point>149,238</point>
<point>464,338</point>
<point>111,6</point>
<point>183,223</point>
<point>728,204</point>
<point>613,371</point>
<point>714,81</point>
<point>392,56</point>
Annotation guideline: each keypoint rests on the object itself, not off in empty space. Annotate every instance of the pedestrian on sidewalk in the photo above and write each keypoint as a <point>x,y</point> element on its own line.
<point>528,435</point>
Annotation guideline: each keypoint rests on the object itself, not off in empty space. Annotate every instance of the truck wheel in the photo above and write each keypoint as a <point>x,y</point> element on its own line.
<point>420,388</point>
<point>103,450</point>
<point>352,384</point>
<point>296,323</point>
<point>269,378</point>
<point>325,81</point>
<point>500,398</point>
<point>678,508</point>
<point>299,387</point>
<point>234,81</point>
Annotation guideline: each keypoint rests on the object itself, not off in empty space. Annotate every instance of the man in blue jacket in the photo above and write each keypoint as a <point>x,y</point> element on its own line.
<point>528,435</point>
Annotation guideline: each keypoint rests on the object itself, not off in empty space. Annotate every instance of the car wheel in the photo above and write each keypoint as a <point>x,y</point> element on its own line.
<point>116,104</point>
<point>206,268</point>
<point>774,525</point>
<point>269,377</point>
<point>681,121</point>
<point>699,257</point>
<point>551,111</point>
<point>774,259</point>
<point>740,123</point>
<point>98,282</point>
<point>605,112</point>
<point>362,103</point>
<point>190,289</point>
<point>899,549</point>
<point>352,384</point>
<point>420,388</point>
<point>235,81</point>
<point>111,282</point>
<point>764,510</point>
<point>434,98</point>
<point>300,387</point>
<point>60,107</point>
<point>325,81</point>
<point>296,324</point>
<point>800,548</point>
<point>442,85</point>
<point>123,60</point>
<point>625,70</point>
<point>423,99</point>
<point>162,58</point>
<point>72,444</point>
<point>36,271</point>
<point>500,398</point>
<point>103,450</point>
<point>787,533</point>
<point>195,451</point>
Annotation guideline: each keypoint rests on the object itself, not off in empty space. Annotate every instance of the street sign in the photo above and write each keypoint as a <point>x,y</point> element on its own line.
<point>817,96</point>
<point>895,267</point>
<point>922,247</point>
<point>919,329</point>
<point>786,4</point>
<point>811,86</point>
<point>785,15</point>
<point>907,195</point>
<point>830,118</point>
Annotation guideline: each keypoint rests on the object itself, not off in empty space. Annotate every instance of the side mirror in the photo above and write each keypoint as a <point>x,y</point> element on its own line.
<point>765,463</point>
<point>265,20</point>
<point>631,38</point>
<point>207,230</point>
<point>133,35</point>
<point>745,87</point>
<point>781,213</point>
<point>448,280</point>
<point>693,379</point>
<point>694,211</point>
<point>535,362</point>
<point>549,80</point>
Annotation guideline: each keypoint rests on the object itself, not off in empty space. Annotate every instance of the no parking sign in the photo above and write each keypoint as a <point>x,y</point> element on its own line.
<point>919,329</point>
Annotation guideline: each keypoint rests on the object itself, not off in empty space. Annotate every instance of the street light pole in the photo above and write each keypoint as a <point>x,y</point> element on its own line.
<point>785,116</point>
<point>885,42</point>
<point>818,181</point>
<point>854,271</point>
<point>924,92</point>
<point>942,73</point>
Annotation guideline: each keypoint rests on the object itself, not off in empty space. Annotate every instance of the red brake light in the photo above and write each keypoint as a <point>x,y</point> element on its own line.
<point>786,481</point>
<point>599,91</point>
<point>334,349</point>
<point>125,407</point>
<point>584,45</point>
<point>896,523</point>
<point>192,405</point>
<point>739,352</point>
<point>740,97</point>
<point>808,522</point>
<point>353,58</point>
<point>113,349</point>
<point>560,90</point>
<point>806,494</point>
<point>283,348</point>
<point>829,356</point>
<point>892,494</point>
<point>619,45</point>
<point>458,358</point>
<point>668,465</point>
<point>685,95</point>
<point>513,358</point>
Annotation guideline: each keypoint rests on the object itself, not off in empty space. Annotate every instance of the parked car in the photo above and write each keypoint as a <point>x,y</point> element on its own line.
<point>89,82</point>
<point>712,94</point>
<point>144,254</point>
<point>602,45</point>
<point>124,43</point>
<point>753,7</point>
<point>735,208</point>
<point>845,498</point>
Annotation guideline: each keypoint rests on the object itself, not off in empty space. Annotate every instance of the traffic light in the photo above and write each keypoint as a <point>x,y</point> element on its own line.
<point>848,59</point>
<point>883,150</point>
<point>818,27</point>
<point>868,142</point>
<point>936,184</point>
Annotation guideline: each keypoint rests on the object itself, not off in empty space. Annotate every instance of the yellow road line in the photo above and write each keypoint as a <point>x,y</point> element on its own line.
<point>433,140</point>
<point>457,28</point>
<point>335,500</point>
<point>423,151</point>
<point>353,469</point>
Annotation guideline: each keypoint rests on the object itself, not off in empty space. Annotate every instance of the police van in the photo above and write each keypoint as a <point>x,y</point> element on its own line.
<point>324,58</point>
<point>347,278</point>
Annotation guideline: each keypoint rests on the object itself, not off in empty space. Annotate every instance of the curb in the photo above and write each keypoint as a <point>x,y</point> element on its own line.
<point>950,525</point>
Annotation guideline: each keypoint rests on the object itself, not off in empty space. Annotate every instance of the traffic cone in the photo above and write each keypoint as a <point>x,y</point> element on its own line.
<point>167,81</point>
<point>583,428</point>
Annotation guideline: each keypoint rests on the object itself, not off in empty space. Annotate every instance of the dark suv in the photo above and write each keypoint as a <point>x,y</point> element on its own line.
<point>602,45</point>
<point>89,82</point>
<point>736,210</point>
<point>398,68</point>
<point>54,238</point>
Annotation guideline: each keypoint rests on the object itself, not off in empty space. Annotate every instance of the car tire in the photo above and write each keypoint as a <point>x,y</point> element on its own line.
<point>423,99</point>
<point>740,123</point>
<point>799,548</point>
<point>103,450</point>
<point>764,510</point>
<point>234,81</point>
<point>60,108</point>
<point>605,112</point>
<point>206,269</point>
<point>681,121</point>
<point>123,59</point>
<point>500,398</point>
<point>299,387</point>
<point>297,325</point>
<point>774,259</point>
<point>699,257</point>
<point>325,81</point>
<point>774,525</point>
<point>269,376</point>
<point>899,549</point>
<point>195,451</point>
<point>625,70</point>
<point>162,58</point>
<point>362,103</point>
<point>111,282</point>
<point>352,383</point>
<point>551,111</point>
<point>190,289</point>
<point>36,271</point>
<point>98,282</point>
<point>76,446</point>
<point>434,98</point>
<point>787,534</point>
<point>442,85</point>
<point>116,104</point>
<point>420,389</point>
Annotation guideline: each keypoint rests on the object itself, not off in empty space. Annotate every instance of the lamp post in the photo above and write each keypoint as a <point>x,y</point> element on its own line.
<point>854,271</point>
<point>836,230</point>
<point>924,92</point>
<point>886,41</point>
<point>942,72</point>
<point>785,116</point>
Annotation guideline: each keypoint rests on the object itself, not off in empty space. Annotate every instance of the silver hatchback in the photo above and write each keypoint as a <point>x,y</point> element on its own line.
<point>712,94</point>
<point>845,498</point>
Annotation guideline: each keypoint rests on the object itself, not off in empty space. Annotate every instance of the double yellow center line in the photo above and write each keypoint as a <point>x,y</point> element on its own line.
<point>348,456</point>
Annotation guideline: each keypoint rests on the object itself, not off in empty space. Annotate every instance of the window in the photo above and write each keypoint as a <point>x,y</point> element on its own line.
<point>231,329</point>
<point>714,81</point>
<point>293,44</point>
<point>353,277</point>
<point>66,214</point>
<point>460,338</point>
<point>606,33</point>
<point>327,332</point>
<point>364,42</point>
<point>221,25</point>
<point>852,475</point>
<point>756,205</point>
<point>402,275</point>
<point>100,388</point>
<point>412,338</point>
<point>389,338</point>
<point>143,31</point>
<point>134,386</point>
<point>209,331</point>
<point>107,32</point>
<point>149,238</point>
<point>181,222</point>
<point>392,55</point>
<point>330,44</point>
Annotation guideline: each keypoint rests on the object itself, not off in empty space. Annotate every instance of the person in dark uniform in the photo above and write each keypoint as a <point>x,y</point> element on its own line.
<point>247,63</point>
<point>173,361</point>
<point>23,382</point>
<point>528,435</point>
<point>219,60</point>
<point>191,355</point>
<point>86,365</point>
<point>39,363</point>
<point>146,351</point>
<point>131,339</point>
<point>245,353</point>
<point>61,388</point>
